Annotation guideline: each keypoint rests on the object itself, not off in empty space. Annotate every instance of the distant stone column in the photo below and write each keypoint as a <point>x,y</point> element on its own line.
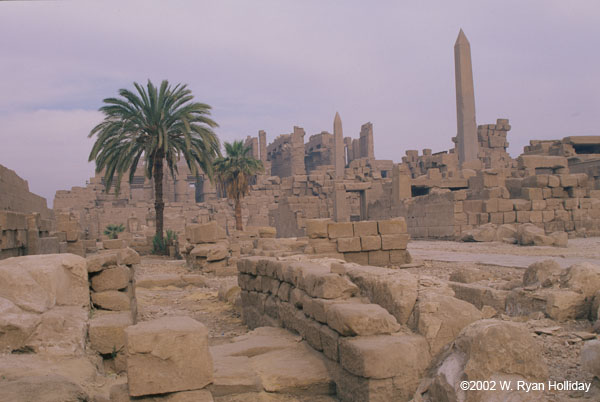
<point>468,146</point>
<point>340,210</point>
<point>338,146</point>
<point>401,184</point>
<point>366,141</point>
<point>262,140</point>
<point>297,151</point>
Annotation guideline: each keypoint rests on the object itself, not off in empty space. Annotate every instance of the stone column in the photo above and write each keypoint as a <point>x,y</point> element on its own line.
<point>262,140</point>
<point>340,211</point>
<point>400,184</point>
<point>366,141</point>
<point>468,146</point>
<point>297,141</point>
<point>338,146</point>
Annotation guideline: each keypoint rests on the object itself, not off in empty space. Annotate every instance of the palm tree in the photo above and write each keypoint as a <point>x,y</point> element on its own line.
<point>233,173</point>
<point>159,125</point>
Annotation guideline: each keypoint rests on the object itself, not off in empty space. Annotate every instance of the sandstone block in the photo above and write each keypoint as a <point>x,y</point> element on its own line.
<point>384,356</point>
<point>544,273</point>
<point>107,331</point>
<point>394,242</point>
<point>203,233</point>
<point>317,228</point>
<point>392,226</point>
<point>111,244</point>
<point>357,258</point>
<point>360,319</point>
<point>111,300</point>
<point>267,232</point>
<point>379,258</point>
<point>590,357</point>
<point>365,228</point>
<point>174,345</point>
<point>348,244</point>
<point>370,243</point>
<point>340,229</point>
<point>128,256</point>
<point>400,257</point>
<point>112,279</point>
<point>562,305</point>
<point>98,262</point>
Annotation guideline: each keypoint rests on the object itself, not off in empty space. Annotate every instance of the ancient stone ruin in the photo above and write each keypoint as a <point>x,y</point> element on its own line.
<point>355,279</point>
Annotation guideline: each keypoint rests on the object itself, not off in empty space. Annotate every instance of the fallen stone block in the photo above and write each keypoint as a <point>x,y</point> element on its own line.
<point>174,345</point>
<point>361,319</point>
<point>112,300</point>
<point>107,332</point>
<point>112,279</point>
<point>111,244</point>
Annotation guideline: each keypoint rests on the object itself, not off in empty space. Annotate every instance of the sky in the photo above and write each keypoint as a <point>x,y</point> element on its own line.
<point>276,64</point>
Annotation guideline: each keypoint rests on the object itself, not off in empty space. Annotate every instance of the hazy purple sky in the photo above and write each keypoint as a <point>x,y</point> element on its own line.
<point>275,64</point>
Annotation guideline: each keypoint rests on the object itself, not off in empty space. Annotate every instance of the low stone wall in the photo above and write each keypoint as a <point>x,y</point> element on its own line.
<point>112,293</point>
<point>372,356</point>
<point>25,234</point>
<point>379,243</point>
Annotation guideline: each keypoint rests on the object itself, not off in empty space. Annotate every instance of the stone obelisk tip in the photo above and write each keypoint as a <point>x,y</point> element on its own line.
<point>462,38</point>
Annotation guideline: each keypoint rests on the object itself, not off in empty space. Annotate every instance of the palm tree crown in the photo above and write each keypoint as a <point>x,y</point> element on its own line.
<point>158,125</point>
<point>233,173</point>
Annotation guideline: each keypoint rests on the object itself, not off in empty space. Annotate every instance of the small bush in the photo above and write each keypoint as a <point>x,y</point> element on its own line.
<point>112,231</point>
<point>159,245</point>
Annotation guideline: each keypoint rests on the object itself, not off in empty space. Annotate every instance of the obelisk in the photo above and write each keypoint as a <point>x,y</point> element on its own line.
<point>338,146</point>
<point>468,146</point>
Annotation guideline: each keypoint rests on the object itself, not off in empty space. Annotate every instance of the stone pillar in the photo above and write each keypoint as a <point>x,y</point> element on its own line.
<point>340,211</point>
<point>400,184</point>
<point>467,144</point>
<point>356,149</point>
<point>348,146</point>
<point>338,146</point>
<point>262,140</point>
<point>297,141</point>
<point>366,141</point>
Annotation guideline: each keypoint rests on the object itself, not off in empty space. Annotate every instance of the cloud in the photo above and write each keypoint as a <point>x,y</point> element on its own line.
<point>48,148</point>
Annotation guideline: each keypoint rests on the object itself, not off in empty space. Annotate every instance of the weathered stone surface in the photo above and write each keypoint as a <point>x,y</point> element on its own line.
<point>530,235</point>
<point>584,278</point>
<point>400,257</point>
<point>61,332</point>
<point>365,228</point>
<point>203,233</point>
<point>340,229</point>
<point>98,262</point>
<point>111,300</point>
<point>39,282</point>
<point>233,375</point>
<point>360,319</point>
<point>543,273</point>
<point>111,244</point>
<point>562,305</point>
<point>298,370</point>
<point>392,226</point>
<point>317,228</point>
<point>394,242</point>
<point>16,326</point>
<point>370,243</point>
<point>267,232</point>
<point>256,342</point>
<point>480,296</point>
<point>440,318</point>
<point>43,388</point>
<point>559,239</point>
<point>174,345</point>
<point>484,350</point>
<point>112,279</point>
<point>590,357</point>
<point>107,331</point>
<point>326,285</point>
<point>128,256</point>
<point>348,244</point>
<point>395,291</point>
<point>385,356</point>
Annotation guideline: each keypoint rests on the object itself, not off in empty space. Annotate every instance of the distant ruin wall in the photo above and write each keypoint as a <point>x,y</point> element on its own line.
<point>15,195</point>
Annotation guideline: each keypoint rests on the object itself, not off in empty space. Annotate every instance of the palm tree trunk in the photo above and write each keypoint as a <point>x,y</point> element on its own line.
<point>159,205</point>
<point>238,215</point>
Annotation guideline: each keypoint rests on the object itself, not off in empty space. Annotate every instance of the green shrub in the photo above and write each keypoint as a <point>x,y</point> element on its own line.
<point>112,231</point>
<point>159,245</point>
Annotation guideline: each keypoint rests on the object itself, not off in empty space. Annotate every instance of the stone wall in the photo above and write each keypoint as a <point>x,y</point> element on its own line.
<point>371,357</point>
<point>26,234</point>
<point>15,195</point>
